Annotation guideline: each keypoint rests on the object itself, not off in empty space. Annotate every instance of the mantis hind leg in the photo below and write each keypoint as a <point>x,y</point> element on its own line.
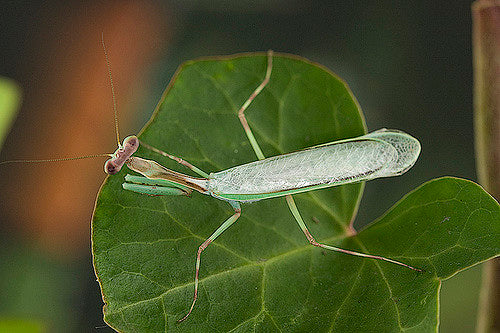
<point>243,120</point>
<point>241,112</point>
<point>217,233</point>
<point>248,130</point>
<point>313,242</point>
<point>289,199</point>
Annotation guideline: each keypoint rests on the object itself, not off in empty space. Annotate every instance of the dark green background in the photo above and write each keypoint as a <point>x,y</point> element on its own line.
<point>408,64</point>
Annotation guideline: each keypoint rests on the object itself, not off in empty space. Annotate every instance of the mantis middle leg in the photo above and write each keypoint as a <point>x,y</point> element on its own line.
<point>177,159</point>
<point>220,230</point>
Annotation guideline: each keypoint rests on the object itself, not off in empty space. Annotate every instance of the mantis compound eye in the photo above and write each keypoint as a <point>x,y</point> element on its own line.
<point>111,168</point>
<point>131,143</point>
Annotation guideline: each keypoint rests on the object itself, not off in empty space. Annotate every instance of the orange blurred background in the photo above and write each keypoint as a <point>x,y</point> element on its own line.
<point>67,111</point>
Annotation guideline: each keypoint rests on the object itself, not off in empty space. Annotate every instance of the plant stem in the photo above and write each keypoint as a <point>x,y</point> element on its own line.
<point>486,54</point>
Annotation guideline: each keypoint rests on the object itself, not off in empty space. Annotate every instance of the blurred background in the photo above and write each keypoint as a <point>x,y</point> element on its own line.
<point>409,64</point>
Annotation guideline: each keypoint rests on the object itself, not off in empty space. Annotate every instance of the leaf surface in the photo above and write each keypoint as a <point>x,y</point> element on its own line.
<point>262,274</point>
<point>10,98</point>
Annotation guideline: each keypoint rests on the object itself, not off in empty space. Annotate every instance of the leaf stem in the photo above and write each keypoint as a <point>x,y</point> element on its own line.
<point>486,62</point>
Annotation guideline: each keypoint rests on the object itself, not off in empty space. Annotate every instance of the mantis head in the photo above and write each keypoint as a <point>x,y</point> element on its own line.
<point>121,155</point>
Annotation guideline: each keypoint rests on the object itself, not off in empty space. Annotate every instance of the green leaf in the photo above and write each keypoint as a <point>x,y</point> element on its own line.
<point>262,274</point>
<point>20,326</point>
<point>10,98</point>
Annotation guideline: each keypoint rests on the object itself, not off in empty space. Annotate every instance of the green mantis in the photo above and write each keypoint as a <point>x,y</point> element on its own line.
<point>383,153</point>
<point>379,154</point>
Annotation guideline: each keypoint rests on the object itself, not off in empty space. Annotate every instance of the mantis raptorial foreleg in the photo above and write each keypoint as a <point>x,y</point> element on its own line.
<point>154,187</point>
<point>220,230</point>
<point>289,199</point>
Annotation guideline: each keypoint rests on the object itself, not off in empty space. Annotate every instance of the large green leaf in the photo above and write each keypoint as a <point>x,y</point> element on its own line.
<point>261,274</point>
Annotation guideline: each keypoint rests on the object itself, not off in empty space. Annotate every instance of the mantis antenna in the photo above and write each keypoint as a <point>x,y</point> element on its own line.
<point>121,154</point>
<point>56,159</point>
<point>115,110</point>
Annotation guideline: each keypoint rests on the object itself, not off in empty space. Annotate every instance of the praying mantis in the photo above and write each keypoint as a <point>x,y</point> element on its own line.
<point>383,153</point>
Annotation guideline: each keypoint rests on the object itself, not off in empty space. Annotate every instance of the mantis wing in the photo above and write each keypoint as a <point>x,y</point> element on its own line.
<point>383,153</point>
